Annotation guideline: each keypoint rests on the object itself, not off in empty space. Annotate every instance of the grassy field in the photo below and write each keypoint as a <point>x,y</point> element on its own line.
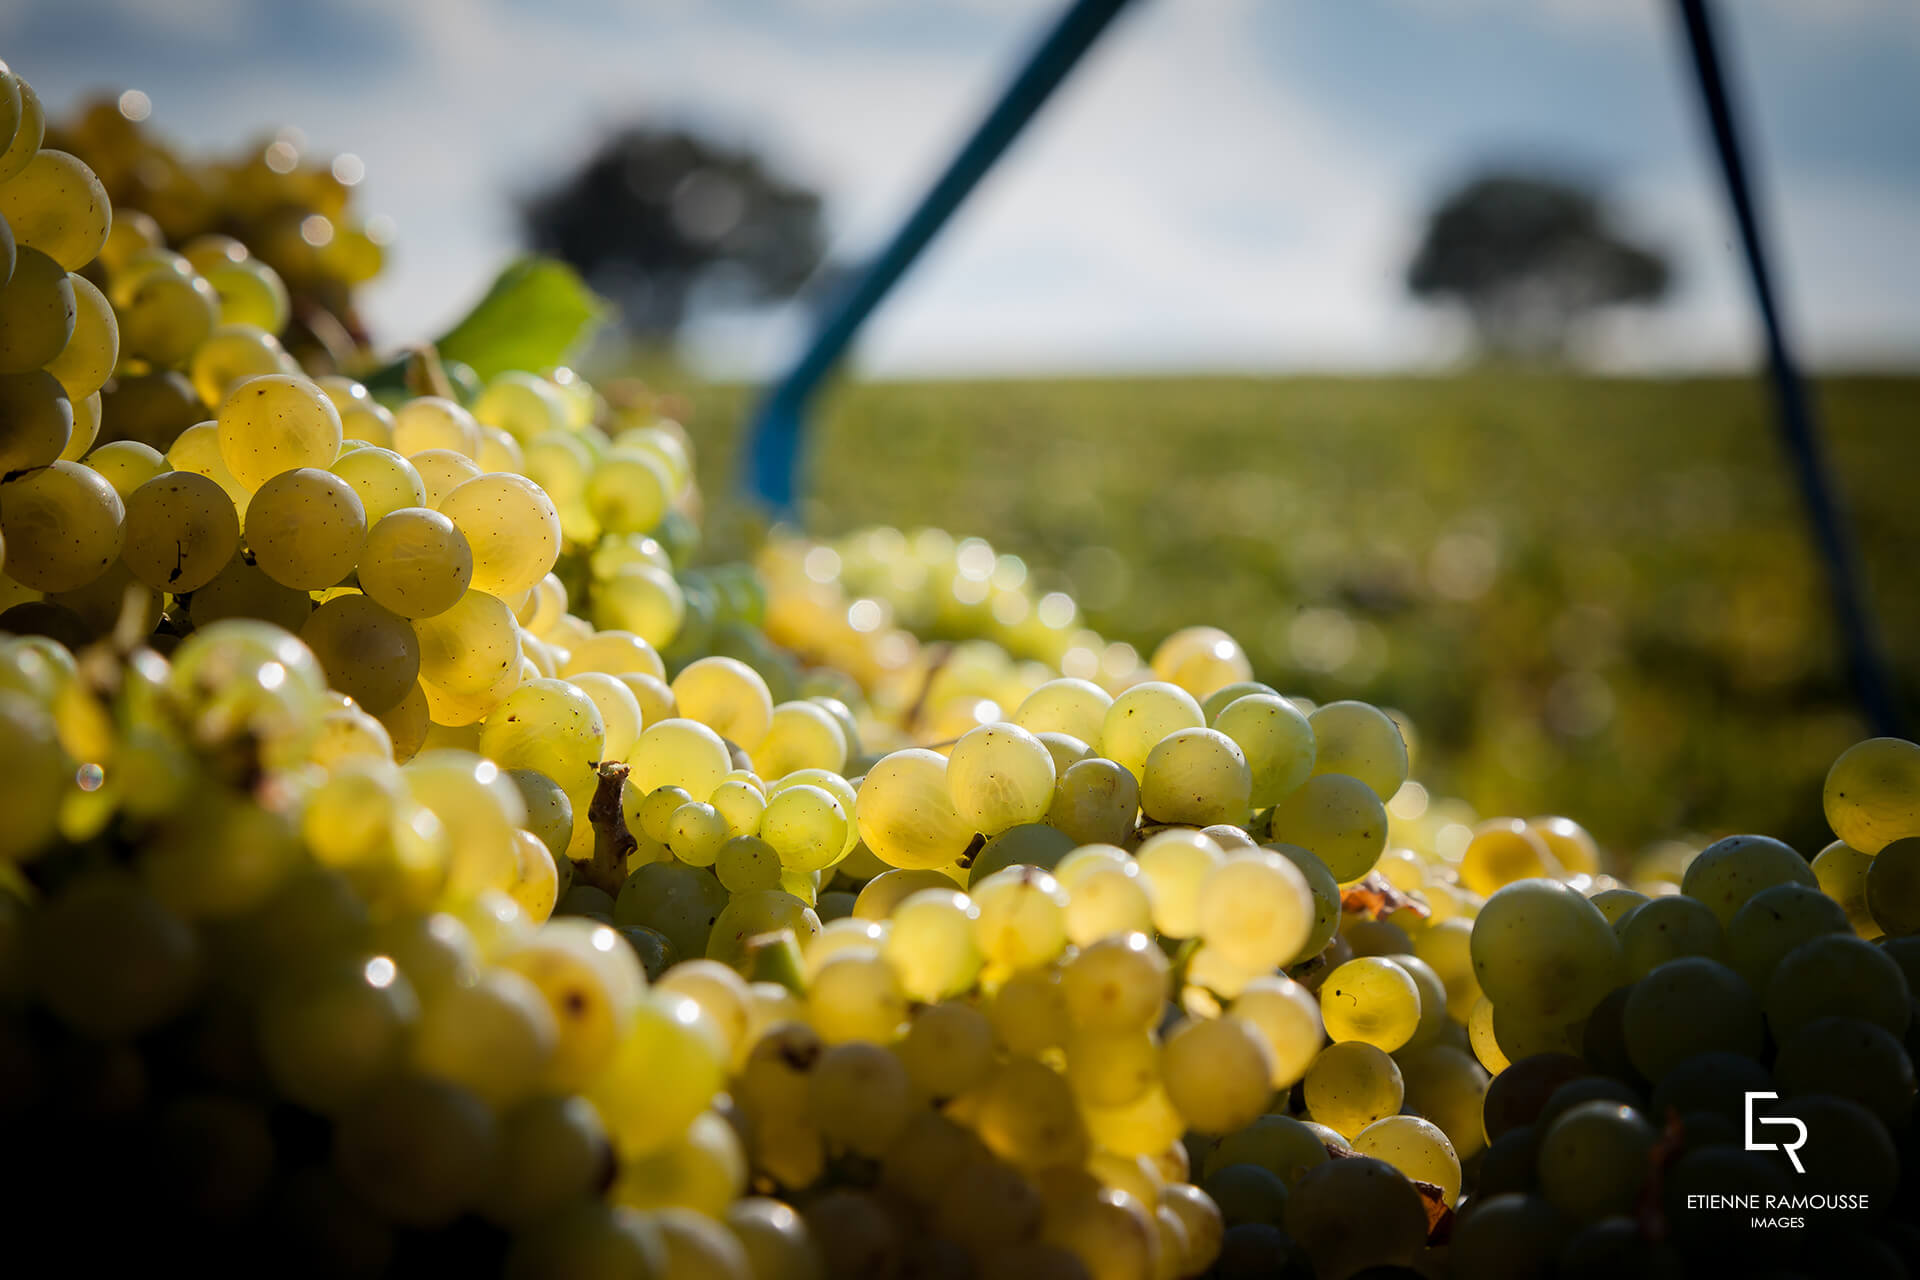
<point>1592,596</point>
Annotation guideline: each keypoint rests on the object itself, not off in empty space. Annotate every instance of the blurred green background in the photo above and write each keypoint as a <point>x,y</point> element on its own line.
<point>1592,595</point>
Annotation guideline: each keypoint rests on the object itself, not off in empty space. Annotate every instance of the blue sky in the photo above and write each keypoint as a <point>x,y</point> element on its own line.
<point>1226,184</point>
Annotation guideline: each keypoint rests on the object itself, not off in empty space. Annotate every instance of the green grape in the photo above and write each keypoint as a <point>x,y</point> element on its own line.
<point>859,1096</point>
<point>999,776</point>
<point>644,600</point>
<point>180,532</point>
<point>558,462</point>
<point>1196,776</point>
<point>1027,1116</point>
<point>1201,660</point>
<point>727,696</point>
<point>1327,910</point>
<point>349,732</point>
<point>837,936</point>
<point>1282,1148</point>
<point>697,833</point>
<point>747,863</point>
<point>62,525</point>
<point>1022,917</point>
<point>1256,909</point>
<point>1351,1085</point>
<point>1115,984</point>
<point>628,491</point>
<point>1177,864</point>
<point>230,355</point>
<point>1077,708</point>
<point>614,652</point>
<point>592,984</point>
<point>512,528</point>
<point>679,753</point>
<point>87,360</point>
<point>39,312</point>
<point>856,996</point>
<point>905,813</point>
<point>1728,872</point>
<point>1774,922</point>
<point>1106,900</point>
<point>241,590</point>
<point>806,827</point>
<point>306,528</point>
<point>545,725</point>
<point>619,710</point>
<point>1336,818</point>
<point>1276,740</point>
<point>553,1154</point>
<point>1837,975</point>
<point>1841,870</point>
<point>370,654</point>
<point>1140,717</point>
<point>1690,1006</point>
<point>415,562</point>
<point>650,813</point>
<point>1287,1017</point>
<point>328,1036</point>
<point>419,1152</point>
<point>480,810</point>
<point>947,1050</point>
<point>86,427</point>
<point>703,1169</point>
<point>1066,751</point>
<point>1449,1087</point>
<point>682,902</point>
<point>1112,1069</point>
<point>442,471</point>
<point>347,817</point>
<point>197,449</point>
<point>1360,741</point>
<point>26,129</point>
<point>434,423</point>
<point>1227,694</point>
<point>524,404</point>
<point>1218,1072</point>
<point>384,481</point>
<point>801,736</point>
<point>277,423</point>
<point>1503,851</point>
<point>55,204</point>
<point>889,889</point>
<point>1594,1159</point>
<point>1417,1148</point>
<point>1433,998</point>
<point>536,886</point>
<point>1545,951</point>
<point>38,418</point>
<point>362,418</point>
<point>107,959</point>
<point>665,446</point>
<point>251,293</point>
<point>493,1037</point>
<point>1371,999</point>
<point>1665,929</point>
<point>1872,793</point>
<point>1029,1012</point>
<point>1614,904</point>
<point>1095,801</point>
<point>587,1239</point>
<point>1201,1219</point>
<point>1849,1058</point>
<point>825,779</point>
<point>932,945</point>
<point>1893,887</point>
<point>128,464</point>
<point>1348,1215</point>
<point>469,648</point>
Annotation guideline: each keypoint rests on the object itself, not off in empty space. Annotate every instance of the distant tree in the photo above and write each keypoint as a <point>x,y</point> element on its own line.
<point>1529,257</point>
<point>657,219</point>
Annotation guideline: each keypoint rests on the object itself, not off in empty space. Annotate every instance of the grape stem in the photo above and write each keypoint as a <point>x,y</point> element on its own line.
<point>612,842</point>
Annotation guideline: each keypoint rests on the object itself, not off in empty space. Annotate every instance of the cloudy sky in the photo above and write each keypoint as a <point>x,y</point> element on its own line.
<point>1226,183</point>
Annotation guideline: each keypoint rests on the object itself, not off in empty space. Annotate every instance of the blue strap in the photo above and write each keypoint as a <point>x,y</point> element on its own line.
<point>779,426</point>
<point>1872,680</point>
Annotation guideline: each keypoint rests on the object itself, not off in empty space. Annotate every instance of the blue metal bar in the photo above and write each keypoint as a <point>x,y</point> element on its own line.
<point>777,433</point>
<point>1866,663</point>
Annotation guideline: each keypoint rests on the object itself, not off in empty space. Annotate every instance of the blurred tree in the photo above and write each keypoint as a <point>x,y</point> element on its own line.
<point>1529,257</point>
<point>663,220</point>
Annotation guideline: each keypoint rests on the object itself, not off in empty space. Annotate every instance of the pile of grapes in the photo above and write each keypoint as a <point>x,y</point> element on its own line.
<point>411,864</point>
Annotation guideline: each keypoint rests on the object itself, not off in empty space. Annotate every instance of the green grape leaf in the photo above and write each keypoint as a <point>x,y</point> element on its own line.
<point>537,311</point>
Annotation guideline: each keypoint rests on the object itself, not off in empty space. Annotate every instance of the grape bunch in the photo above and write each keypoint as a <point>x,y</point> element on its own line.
<point>414,861</point>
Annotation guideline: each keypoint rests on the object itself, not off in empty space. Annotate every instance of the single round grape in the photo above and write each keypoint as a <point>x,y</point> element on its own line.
<point>679,753</point>
<point>108,960</point>
<point>1218,1072</point>
<point>546,725</point>
<point>1371,999</point>
<point>1277,741</point>
<point>86,427</point>
<point>1417,1148</point>
<point>931,943</point>
<point>128,464</point>
<point>1665,929</point>
<point>384,481</point>
<point>1849,1058</point>
<point>1176,864</point>
<point>55,204</point>
<point>1000,776</point>
<point>1256,909</point>
<point>801,736</point>
<point>1106,900</point>
<point>1690,1006</point>
<point>1288,1018</point>
<point>1449,1087</point>
<point>1116,984</point>
<point>1872,793</point>
<point>615,652</point>
<point>1351,1085</point>
<point>415,562</point>
<point>39,312</point>
<point>306,528</point>
<point>679,901</point>
<point>806,826</point>
<point>1544,950</point>
<point>181,531</point>
<point>1361,741</point>
<point>747,864</point>
<point>1074,707</point>
<point>1503,851</point>
<point>418,1151</point>
<point>27,131</point>
<point>628,491</point>
<point>1569,843</point>
<point>277,423</point>
<point>1140,717</point>
<point>856,996</point>
<point>906,814</point>
<point>1842,870</point>
<point>230,355</point>
<point>644,600</point>
<point>433,422</point>
<point>524,404</point>
<point>1774,922</point>
<point>1023,917</point>
<point>62,525</point>
<point>1352,1214</point>
<point>1095,801</point>
<point>1198,777</point>
<point>36,421</point>
<point>1728,872</point>
<point>330,1033</point>
<point>1837,975</point>
<point>1594,1159</point>
<point>619,710</point>
<point>87,361</point>
<point>1336,818</point>
<point>726,695</point>
<point>370,653</point>
<point>511,527</point>
<point>197,449</point>
<point>470,647</point>
<point>241,590</point>
<point>1893,887</point>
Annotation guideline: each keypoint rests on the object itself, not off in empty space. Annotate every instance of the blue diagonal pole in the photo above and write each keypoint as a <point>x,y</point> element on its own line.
<point>776,436</point>
<point>1866,663</point>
